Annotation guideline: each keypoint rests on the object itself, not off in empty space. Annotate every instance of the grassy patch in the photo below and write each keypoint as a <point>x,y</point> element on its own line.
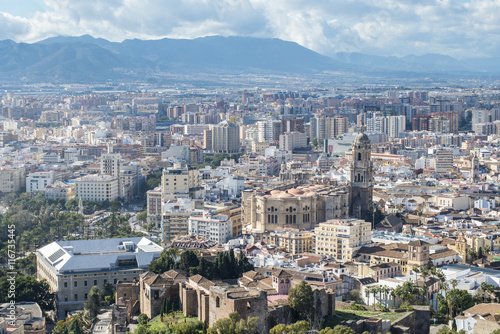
<point>347,314</point>
<point>171,318</point>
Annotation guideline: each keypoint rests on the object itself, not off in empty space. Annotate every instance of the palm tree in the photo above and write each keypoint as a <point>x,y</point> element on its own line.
<point>386,290</point>
<point>454,283</point>
<point>472,254</point>
<point>416,270</point>
<point>368,291</point>
<point>422,291</point>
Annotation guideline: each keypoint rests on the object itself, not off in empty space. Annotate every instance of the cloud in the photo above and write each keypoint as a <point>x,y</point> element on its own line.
<point>385,27</point>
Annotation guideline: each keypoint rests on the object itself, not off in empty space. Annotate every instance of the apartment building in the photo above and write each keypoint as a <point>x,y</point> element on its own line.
<point>216,228</point>
<point>97,188</point>
<point>38,181</point>
<point>233,211</point>
<point>176,181</point>
<point>175,216</point>
<point>294,241</point>
<point>12,180</point>
<point>226,138</point>
<point>292,140</point>
<point>72,268</point>
<point>340,239</point>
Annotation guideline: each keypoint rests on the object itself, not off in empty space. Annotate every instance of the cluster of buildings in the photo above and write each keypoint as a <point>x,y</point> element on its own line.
<point>343,189</point>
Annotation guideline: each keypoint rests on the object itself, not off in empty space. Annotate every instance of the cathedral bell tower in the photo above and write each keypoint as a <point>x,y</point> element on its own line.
<point>361,190</point>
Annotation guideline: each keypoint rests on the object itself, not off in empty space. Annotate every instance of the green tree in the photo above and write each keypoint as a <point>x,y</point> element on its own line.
<point>188,259</point>
<point>28,289</point>
<point>355,296</point>
<point>93,302</point>
<point>299,327</point>
<point>448,330</point>
<point>142,217</point>
<point>108,291</point>
<point>234,325</point>
<point>142,319</point>
<point>301,301</point>
<point>487,249</point>
<point>164,263</point>
<point>458,301</point>
<point>339,329</point>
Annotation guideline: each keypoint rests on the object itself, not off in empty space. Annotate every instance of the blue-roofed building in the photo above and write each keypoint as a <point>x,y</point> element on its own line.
<point>72,268</point>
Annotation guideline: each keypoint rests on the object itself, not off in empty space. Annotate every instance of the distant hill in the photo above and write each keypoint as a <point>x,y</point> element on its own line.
<point>429,63</point>
<point>85,57</point>
<point>89,59</point>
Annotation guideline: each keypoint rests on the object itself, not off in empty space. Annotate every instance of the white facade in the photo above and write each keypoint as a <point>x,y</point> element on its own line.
<point>217,228</point>
<point>38,181</point>
<point>97,188</point>
<point>290,141</point>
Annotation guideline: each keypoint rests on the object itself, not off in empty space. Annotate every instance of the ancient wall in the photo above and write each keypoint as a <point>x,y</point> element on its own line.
<point>418,321</point>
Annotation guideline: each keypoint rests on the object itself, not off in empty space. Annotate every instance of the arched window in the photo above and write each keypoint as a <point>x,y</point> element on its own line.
<point>217,302</point>
<point>359,156</point>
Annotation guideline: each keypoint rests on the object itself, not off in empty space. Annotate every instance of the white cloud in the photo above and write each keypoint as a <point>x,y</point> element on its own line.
<point>385,27</point>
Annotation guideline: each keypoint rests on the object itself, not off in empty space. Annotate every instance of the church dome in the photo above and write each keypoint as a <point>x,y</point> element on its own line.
<point>361,140</point>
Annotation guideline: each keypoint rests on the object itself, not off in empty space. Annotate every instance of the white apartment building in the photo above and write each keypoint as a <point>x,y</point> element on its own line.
<point>72,268</point>
<point>395,125</point>
<point>97,188</point>
<point>340,239</point>
<point>38,181</point>
<point>292,140</point>
<point>175,216</point>
<point>216,228</point>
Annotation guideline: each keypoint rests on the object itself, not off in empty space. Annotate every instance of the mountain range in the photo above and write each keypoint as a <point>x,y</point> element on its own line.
<point>89,59</point>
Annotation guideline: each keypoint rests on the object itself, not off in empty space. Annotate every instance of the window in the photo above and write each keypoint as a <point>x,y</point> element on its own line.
<point>76,296</point>
<point>75,284</point>
<point>95,282</point>
<point>65,284</point>
<point>217,302</point>
<point>85,283</point>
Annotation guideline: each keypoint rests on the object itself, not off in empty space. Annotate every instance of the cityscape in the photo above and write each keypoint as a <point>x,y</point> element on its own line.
<point>292,171</point>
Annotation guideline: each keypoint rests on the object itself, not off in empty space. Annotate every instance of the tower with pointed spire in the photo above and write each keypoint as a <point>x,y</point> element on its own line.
<point>361,190</point>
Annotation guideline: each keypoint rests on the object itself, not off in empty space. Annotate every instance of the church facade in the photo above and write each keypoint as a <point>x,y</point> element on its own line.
<point>302,203</point>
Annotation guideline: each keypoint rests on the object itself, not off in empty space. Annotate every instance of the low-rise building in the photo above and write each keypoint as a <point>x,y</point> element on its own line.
<point>72,268</point>
<point>292,240</point>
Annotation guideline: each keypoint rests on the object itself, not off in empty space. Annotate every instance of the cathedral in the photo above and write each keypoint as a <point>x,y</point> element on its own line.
<point>361,188</point>
<point>302,200</point>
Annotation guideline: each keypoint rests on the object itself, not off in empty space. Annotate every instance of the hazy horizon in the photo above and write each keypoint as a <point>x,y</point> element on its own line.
<point>461,29</point>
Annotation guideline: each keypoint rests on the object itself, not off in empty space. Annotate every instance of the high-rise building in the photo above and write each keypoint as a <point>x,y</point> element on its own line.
<point>111,164</point>
<point>226,138</point>
<point>292,124</point>
<point>444,160</point>
<point>395,125</point>
<point>293,140</point>
<point>207,139</point>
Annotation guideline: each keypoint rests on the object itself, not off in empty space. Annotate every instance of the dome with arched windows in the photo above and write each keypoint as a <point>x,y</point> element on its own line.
<point>361,140</point>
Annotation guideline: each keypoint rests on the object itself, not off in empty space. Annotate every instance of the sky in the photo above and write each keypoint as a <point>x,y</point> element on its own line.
<point>459,28</point>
